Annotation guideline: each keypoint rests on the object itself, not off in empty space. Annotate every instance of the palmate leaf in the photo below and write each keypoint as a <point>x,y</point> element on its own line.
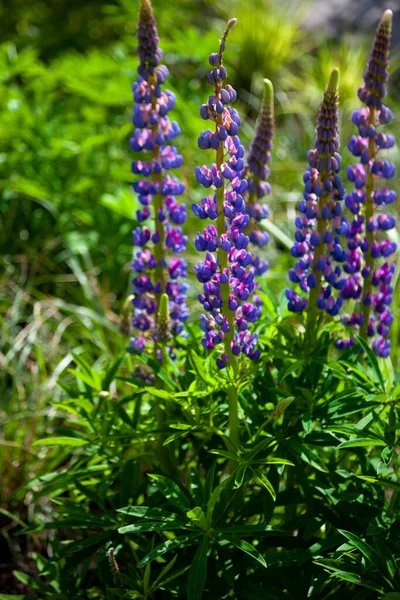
<point>178,542</point>
<point>198,571</point>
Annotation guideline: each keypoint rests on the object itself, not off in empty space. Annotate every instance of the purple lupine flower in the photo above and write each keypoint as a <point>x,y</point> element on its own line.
<point>161,216</point>
<point>369,274</point>
<point>257,173</point>
<point>228,282</point>
<point>320,224</point>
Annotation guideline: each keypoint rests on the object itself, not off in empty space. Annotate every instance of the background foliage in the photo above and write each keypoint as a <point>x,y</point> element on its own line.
<point>66,216</point>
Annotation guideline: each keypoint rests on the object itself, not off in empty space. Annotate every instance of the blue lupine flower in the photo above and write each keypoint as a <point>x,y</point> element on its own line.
<point>369,281</point>
<point>257,173</point>
<point>228,282</point>
<point>320,224</point>
<point>154,273</point>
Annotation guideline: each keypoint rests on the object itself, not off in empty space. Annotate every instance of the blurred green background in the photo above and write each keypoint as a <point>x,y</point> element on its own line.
<point>67,210</point>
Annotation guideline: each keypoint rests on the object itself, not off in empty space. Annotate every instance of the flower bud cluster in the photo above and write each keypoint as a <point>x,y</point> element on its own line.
<point>257,173</point>
<point>321,224</point>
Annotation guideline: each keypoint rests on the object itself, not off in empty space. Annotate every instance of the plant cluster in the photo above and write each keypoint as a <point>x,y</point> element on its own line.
<point>254,453</point>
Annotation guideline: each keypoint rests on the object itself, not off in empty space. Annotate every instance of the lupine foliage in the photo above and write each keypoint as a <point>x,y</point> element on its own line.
<point>250,451</point>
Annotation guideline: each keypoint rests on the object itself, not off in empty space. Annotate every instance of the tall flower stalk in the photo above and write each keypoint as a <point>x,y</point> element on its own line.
<point>228,283</point>
<point>370,274</point>
<point>257,173</point>
<point>160,234</point>
<point>320,223</point>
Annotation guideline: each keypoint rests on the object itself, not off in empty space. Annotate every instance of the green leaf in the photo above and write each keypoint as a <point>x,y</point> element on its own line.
<point>197,517</point>
<point>273,461</point>
<point>152,513</point>
<point>373,362</point>
<point>198,572</point>
<point>92,540</point>
<point>15,597</point>
<point>370,554</point>
<point>389,596</point>
<point>262,479</point>
<point>250,530</point>
<point>61,441</point>
<point>308,455</point>
<point>163,394</point>
<point>111,372</point>
<point>228,455</point>
<point>240,475</point>
<point>385,483</point>
<point>33,583</point>
<point>164,572</point>
<point>337,568</point>
<point>214,499</point>
<point>361,443</point>
<point>209,482</point>
<point>171,491</point>
<point>178,542</point>
<point>152,526</point>
<point>245,547</point>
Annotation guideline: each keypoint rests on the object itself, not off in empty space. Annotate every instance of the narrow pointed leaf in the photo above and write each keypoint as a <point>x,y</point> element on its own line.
<point>198,571</point>
<point>179,542</point>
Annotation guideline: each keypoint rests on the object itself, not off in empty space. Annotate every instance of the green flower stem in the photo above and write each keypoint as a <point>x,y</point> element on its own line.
<point>369,213</point>
<point>166,454</point>
<point>225,293</point>
<point>224,264</point>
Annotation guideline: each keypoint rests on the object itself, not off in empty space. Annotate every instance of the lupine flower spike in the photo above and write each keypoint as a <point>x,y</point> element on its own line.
<point>227,280</point>
<point>161,215</point>
<point>370,273</point>
<point>320,223</point>
<point>257,173</point>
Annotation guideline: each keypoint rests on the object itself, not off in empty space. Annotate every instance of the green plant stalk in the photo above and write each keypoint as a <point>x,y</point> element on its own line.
<point>225,293</point>
<point>224,264</point>
<point>369,213</point>
<point>166,455</point>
